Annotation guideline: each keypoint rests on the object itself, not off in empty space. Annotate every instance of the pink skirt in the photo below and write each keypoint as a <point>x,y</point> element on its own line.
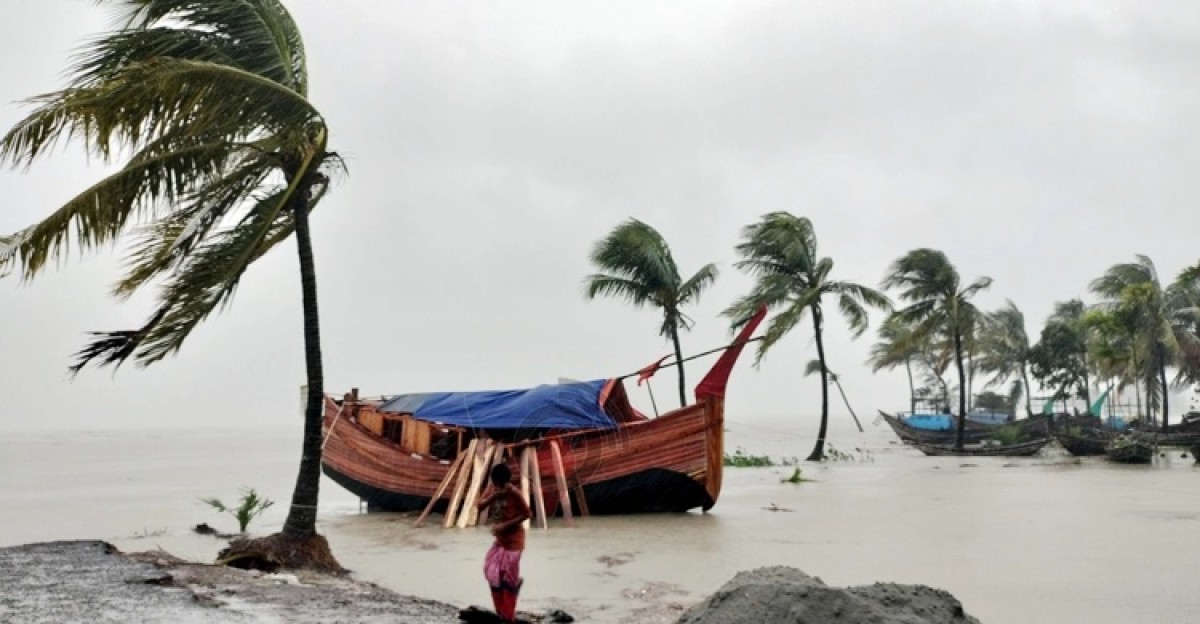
<point>502,569</point>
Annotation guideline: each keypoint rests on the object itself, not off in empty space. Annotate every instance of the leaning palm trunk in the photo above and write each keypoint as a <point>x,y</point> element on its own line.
<point>1028,392</point>
<point>302,516</point>
<point>1162,377</point>
<point>818,452</point>
<point>912,390</point>
<point>962,391</point>
<point>679,364</point>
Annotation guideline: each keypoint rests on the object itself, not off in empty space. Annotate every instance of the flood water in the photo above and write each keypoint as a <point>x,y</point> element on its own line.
<point>1044,539</point>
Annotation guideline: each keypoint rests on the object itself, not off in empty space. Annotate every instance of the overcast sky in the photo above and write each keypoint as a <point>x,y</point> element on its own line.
<point>491,144</point>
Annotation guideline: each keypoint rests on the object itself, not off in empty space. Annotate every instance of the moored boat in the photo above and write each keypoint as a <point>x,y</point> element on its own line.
<point>1022,449</point>
<point>1023,430</point>
<point>1086,442</point>
<point>592,448</point>
<point>910,434</point>
<point>1130,450</point>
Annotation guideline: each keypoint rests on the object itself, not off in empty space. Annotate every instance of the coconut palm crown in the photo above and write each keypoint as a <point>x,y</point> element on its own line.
<point>1005,350</point>
<point>636,265</point>
<point>780,253</point>
<point>1165,319</point>
<point>938,303</point>
<point>203,106</point>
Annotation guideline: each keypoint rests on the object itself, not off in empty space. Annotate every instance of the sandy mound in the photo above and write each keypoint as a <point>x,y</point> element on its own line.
<point>787,595</point>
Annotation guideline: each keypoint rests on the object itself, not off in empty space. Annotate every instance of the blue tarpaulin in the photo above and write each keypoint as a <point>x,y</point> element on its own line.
<point>573,405</point>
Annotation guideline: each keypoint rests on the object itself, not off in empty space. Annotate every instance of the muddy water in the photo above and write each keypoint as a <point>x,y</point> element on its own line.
<point>1048,539</point>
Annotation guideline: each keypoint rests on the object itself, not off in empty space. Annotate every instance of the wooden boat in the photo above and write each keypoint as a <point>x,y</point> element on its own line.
<point>1130,450</point>
<point>1085,443</point>
<point>1023,449</point>
<point>592,449</point>
<point>1027,428</point>
<point>908,434</point>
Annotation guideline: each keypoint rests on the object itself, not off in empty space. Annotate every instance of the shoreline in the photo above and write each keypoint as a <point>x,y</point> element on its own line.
<point>93,581</point>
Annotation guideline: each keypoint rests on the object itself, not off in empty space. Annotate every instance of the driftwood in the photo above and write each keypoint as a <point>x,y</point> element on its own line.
<point>539,501</point>
<point>564,494</point>
<point>525,466</point>
<point>441,489</point>
<point>460,485</point>
<point>470,513</point>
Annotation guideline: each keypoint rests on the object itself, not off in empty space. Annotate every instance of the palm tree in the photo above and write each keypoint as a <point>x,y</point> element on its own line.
<point>1005,350</point>
<point>205,102</point>
<point>636,265</point>
<point>780,252</point>
<point>1165,322</point>
<point>938,302</point>
<point>896,346</point>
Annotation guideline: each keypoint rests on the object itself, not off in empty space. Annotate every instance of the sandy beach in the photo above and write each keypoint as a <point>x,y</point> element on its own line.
<point>1047,539</point>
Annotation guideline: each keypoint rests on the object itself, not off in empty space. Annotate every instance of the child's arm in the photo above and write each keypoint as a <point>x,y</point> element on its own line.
<point>486,500</point>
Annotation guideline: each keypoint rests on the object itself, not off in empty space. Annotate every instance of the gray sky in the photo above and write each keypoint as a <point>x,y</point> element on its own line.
<point>490,144</point>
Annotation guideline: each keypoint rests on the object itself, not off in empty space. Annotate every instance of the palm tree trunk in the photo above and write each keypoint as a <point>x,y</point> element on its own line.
<point>302,515</point>
<point>1087,383</point>
<point>962,390</point>
<point>818,452</point>
<point>970,378</point>
<point>1028,392</point>
<point>912,390</point>
<point>1137,395</point>
<point>679,361</point>
<point>1162,377</point>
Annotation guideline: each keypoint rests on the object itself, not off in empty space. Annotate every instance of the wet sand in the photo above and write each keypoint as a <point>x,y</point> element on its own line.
<point>1047,539</point>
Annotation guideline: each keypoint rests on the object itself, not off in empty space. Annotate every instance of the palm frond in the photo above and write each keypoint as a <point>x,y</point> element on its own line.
<point>204,282</point>
<point>99,214</point>
<point>260,34</point>
<point>600,285</point>
<point>694,286</point>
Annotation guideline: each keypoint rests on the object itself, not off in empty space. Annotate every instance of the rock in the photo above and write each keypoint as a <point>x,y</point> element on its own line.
<point>789,596</point>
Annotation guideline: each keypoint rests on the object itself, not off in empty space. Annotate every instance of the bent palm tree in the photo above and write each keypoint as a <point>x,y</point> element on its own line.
<point>1165,321</point>
<point>226,158</point>
<point>636,265</point>
<point>780,252</point>
<point>1005,350</point>
<point>938,303</point>
<point>896,346</point>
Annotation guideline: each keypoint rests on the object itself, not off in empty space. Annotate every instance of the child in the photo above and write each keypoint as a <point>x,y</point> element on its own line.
<point>502,566</point>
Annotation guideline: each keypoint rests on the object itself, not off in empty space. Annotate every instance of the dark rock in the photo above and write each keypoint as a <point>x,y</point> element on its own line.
<point>787,595</point>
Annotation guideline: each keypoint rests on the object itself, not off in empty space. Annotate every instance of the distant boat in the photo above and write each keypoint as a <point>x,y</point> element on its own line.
<point>1130,450</point>
<point>911,431</point>
<point>591,448</point>
<point>1085,442</point>
<point>975,432</point>
<point>1022,449</point>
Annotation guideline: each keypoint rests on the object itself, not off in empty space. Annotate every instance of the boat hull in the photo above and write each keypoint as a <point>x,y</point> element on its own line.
<point>974,433</point>
<point>1134,452</point>
<point>1090,445</point>
<point>1025,449</point>
<point>669,464</point>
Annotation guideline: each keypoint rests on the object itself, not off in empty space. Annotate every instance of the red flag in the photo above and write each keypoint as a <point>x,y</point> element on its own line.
<point>648,372</point>
<point>713,383</point>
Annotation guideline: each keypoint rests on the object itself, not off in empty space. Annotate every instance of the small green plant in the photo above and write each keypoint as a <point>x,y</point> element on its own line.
<point>251,506</point>
<point>797,477</point>
<point>741,459</point>
<point>833,454</point>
